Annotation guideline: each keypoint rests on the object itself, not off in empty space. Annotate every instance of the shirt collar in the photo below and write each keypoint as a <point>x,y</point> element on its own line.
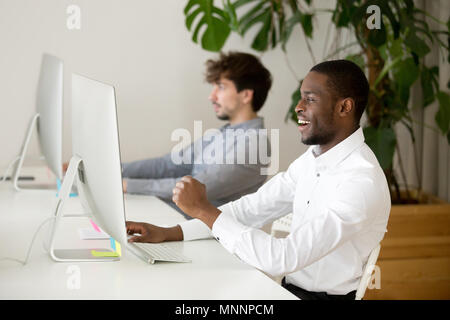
<point>256,123</point>
<point>340,151</point>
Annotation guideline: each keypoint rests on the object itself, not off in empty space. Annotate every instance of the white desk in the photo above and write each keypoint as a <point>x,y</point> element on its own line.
<point>213,273</point>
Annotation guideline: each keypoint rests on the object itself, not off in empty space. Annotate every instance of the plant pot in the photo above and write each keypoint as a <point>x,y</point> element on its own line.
<point>414,259</point>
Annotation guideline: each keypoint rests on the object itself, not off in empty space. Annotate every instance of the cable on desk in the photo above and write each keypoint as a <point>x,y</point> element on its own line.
<point>31,245</point>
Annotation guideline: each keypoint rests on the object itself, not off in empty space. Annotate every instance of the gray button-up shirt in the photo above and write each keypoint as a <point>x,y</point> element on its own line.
<point>226,176</point>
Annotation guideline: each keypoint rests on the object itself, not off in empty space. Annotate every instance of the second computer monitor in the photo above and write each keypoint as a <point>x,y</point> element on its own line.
<point>49,106</point>
<point>47,119</point>
<point>95,140</point>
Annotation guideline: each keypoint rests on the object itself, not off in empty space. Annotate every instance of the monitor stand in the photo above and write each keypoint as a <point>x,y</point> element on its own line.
<point>74,255</point>
<point>16,173</point>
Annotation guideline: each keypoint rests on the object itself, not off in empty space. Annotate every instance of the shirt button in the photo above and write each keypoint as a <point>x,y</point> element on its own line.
<point>217,238</point>
<point>318,174</point>
<point>307,202</point>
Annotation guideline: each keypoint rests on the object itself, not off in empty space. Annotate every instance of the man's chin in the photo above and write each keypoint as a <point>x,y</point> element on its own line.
<point>313,140</point>
<point>223,117</point>
<point>308,140</point>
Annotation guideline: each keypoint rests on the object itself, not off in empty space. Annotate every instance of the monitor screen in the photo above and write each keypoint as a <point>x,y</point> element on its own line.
<point>49,106</point>
<point>95,140</point>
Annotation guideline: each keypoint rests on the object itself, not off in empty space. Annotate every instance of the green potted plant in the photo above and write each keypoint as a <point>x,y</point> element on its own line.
<point>392,55</point>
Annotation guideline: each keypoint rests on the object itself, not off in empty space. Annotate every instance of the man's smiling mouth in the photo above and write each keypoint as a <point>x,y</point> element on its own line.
<point>303,122</point>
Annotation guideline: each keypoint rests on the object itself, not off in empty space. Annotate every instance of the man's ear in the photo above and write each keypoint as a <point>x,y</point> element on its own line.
<point>247,96</point>
<point>346,107</point>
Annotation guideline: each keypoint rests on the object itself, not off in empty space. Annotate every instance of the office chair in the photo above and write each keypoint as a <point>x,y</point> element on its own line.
<point>282,225</point>
<point>367,273</point>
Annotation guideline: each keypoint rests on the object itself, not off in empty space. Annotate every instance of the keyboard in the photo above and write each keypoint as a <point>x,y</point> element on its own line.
<point>151,252</point>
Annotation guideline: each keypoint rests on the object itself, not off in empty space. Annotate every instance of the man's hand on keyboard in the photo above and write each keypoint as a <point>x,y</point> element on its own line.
<point>151,233</point>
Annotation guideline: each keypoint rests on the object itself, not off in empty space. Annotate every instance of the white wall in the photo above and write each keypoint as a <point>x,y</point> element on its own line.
<point>142,47</point>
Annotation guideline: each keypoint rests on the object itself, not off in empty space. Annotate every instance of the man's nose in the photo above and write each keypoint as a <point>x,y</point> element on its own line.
<point>300,106</point>
<point>213,95</point>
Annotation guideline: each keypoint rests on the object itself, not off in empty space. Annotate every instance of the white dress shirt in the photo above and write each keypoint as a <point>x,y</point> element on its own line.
<point>340,203</point>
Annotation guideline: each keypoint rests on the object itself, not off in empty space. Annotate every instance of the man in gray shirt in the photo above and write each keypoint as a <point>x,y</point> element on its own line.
<point>240,87</point>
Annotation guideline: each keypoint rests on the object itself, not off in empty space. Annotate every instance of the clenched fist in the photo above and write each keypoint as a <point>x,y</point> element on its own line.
<point>190,196</point>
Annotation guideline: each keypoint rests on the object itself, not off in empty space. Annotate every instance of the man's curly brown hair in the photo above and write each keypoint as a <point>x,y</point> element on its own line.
<point>245,71</point>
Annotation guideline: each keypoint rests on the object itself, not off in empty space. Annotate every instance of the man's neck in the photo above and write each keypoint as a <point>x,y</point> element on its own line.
<point>321,149</point>
<point>243,117</point>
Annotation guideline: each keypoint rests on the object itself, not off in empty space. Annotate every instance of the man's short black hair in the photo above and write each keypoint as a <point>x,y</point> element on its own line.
<point>346,80</point>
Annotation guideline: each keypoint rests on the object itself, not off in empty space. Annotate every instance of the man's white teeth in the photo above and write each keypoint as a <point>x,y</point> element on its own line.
<point>303,122</point>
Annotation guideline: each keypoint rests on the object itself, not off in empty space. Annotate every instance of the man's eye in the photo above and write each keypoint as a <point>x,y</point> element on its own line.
<point>309,100</point>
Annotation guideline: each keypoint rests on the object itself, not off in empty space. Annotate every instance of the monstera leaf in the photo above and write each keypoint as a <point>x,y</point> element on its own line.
<point>216,22</point>
<point>260,13</point>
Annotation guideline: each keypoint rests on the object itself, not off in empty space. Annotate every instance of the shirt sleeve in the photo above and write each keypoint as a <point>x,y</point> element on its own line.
<point>195,230</point>
<point>156,176</point>
<point>156,168</point>
<point>152,187</point>
<point>221,181</point>
<point>345,216</point>
<point>273,200</point>
<point>228,180</point>
<point>225,180</point>
<point>255,209</point>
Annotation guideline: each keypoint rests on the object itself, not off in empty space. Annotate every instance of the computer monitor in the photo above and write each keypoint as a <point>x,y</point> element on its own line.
<point>95,165</point>
<point>47,119</point>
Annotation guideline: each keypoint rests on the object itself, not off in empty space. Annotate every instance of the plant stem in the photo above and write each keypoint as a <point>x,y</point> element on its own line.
<point>431,17</point>
<point>290,67</point>
<point>269,40</point>
<point>340,49</point>
<point>392,182</point>
<point>421,123</point>
<point>416,165</point>
<point>310,49</point>
<point>326,41</point>
<point>402,171</point>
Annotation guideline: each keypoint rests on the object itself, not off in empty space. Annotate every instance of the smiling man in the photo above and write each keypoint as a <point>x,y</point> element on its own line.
<point>240,85</point>
<point>336,191</point>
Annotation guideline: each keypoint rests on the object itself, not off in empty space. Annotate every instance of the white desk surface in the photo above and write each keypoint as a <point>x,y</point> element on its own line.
<point>213,274</point>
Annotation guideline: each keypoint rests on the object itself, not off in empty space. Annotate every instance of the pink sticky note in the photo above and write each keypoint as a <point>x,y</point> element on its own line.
<point>95,226</point>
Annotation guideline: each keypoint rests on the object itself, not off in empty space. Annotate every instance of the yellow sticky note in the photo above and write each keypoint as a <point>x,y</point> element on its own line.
<point>104,253</point>
<point>114,245</point>
<point>118,249</point>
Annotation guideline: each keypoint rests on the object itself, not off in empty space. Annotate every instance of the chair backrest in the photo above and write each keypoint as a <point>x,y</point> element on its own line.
<point>283,224</point>
<point>368,269</point>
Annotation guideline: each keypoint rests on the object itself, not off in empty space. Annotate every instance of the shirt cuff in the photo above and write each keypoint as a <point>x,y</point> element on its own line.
<point>135,186</point>
<point>226,229</point>
<point>195,229</point>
